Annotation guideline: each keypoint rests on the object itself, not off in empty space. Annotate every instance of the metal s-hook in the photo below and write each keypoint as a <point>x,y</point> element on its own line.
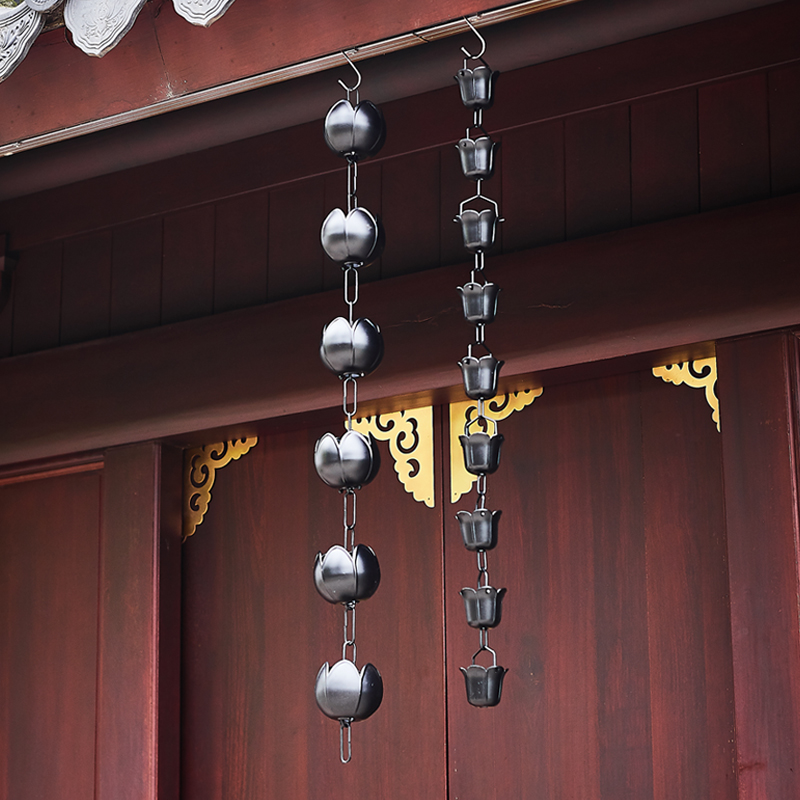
<point>480,39</point>
<point>344,86</point>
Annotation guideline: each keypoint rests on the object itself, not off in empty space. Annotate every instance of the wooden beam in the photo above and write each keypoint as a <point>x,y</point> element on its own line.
<point>659,287</point>
<point>138,680</point>
<point>758,391</point>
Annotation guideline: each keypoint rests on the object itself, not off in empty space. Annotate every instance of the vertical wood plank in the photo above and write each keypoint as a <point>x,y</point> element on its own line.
<point>784,128</point>
<point>597,158</point>
<point>86,288</point>
<point>691,682</point>
<point>533,185</point>
<point>256,633</point>
<point>187,288</point>
<point>758,392</point>
<point>240,262</point>
<point>664,159</point>
<point>296,213</point>
<point>138,684</point>
<point>49,532</point>
<point>453,188</point>
<point>37,298</point>
<point>136,276</point>
<point>734,142</point>
<point>7,324</point>
<point>410,201</point>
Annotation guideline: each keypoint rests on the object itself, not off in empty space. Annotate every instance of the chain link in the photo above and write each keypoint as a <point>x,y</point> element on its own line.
<point>349,630</point>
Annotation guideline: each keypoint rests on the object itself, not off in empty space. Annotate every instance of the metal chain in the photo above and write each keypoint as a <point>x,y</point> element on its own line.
<point>349,496</point>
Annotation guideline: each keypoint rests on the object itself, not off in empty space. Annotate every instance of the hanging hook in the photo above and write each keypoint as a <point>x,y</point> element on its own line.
<point>480,39</point>
<point>344,86</point>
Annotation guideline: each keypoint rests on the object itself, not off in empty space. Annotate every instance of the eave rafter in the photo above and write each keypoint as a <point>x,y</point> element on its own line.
<point>97,26</point>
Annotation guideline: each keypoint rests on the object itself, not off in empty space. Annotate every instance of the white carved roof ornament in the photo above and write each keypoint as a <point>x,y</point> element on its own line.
<point>19,27</point>
<point>97,26</point>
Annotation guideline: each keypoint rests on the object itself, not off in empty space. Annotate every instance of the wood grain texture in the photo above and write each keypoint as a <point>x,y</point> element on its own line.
<point>734,141</point>
<point>49,536</point>
<point>256,633</point>
<point>295,255</point>
<point>533,186</point>
<point>615,627</point>
<point>410,207</point>
<point>187,278</point>
<point>665,286</point>
<point>784,128</point>
<point>597,157</point>
<point>691,680</point>
<point>86,288</point>
<point>138,687</point>
<point>136,276</point>
<point>37,299</point>
<point>664,157</point>
<point>240,257</point>
<point>758,393</point>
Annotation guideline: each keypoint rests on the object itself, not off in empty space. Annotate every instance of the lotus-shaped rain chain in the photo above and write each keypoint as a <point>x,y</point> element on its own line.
<point>478,217</point>
<point>351,348</point>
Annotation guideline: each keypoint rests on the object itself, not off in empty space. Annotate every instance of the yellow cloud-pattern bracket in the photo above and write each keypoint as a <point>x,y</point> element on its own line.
<point>461,413</point>
<point>699,374</point>
<point>199,473</point>
<point>410,437</point>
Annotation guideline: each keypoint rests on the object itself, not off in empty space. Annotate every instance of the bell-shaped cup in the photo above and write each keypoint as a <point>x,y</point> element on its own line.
<point>484,686</point>
<point>479,301</point>
<point>482,606</point>
<point>479,528</point>
<point>478,228</point>
<point>480,376</point>
<point>481,452</point>
<point>477,157</point>
<point>476,86</point>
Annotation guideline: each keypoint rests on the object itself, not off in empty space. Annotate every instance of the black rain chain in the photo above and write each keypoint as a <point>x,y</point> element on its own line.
<point>351,348</point>
<point>480,374</point>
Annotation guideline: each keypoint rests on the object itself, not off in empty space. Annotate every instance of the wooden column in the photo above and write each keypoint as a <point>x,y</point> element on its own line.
<point>758,393</point>
<point>139,625</point>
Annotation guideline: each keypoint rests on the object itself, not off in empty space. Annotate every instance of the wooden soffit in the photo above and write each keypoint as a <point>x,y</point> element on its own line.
<point>568,309</point>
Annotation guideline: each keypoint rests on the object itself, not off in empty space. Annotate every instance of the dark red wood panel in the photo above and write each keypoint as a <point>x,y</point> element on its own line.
<point>187,279</point>
<point>256,633</point>
<point>240,260</point>
<point>574,717</point>
<point>7,326</point>
<point>597,171</point>
<point>136,276</point>
<point>734,141</point>
<point>784,128</point>
<point>86,288</point>
<point>138,689</point>
<point>410,202</point>
<point>664,157</point>
<point>533,185</point>
<point>296,214</point>
<point>453,188</point>
<point>37,298</point>
<point>49,537</point>
<point>758,393</point>
<point>691,680</point>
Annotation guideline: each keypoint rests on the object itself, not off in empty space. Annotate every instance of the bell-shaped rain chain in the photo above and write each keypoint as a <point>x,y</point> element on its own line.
<point>481,443</point>
<point>351,348</point>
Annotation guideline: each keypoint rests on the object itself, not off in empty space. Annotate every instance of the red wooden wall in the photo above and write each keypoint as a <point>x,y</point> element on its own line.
<point>238,225</point>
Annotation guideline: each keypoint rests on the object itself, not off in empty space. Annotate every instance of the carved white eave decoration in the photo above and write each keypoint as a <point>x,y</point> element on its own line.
<point>97,26</point>
<point>19,27</point>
